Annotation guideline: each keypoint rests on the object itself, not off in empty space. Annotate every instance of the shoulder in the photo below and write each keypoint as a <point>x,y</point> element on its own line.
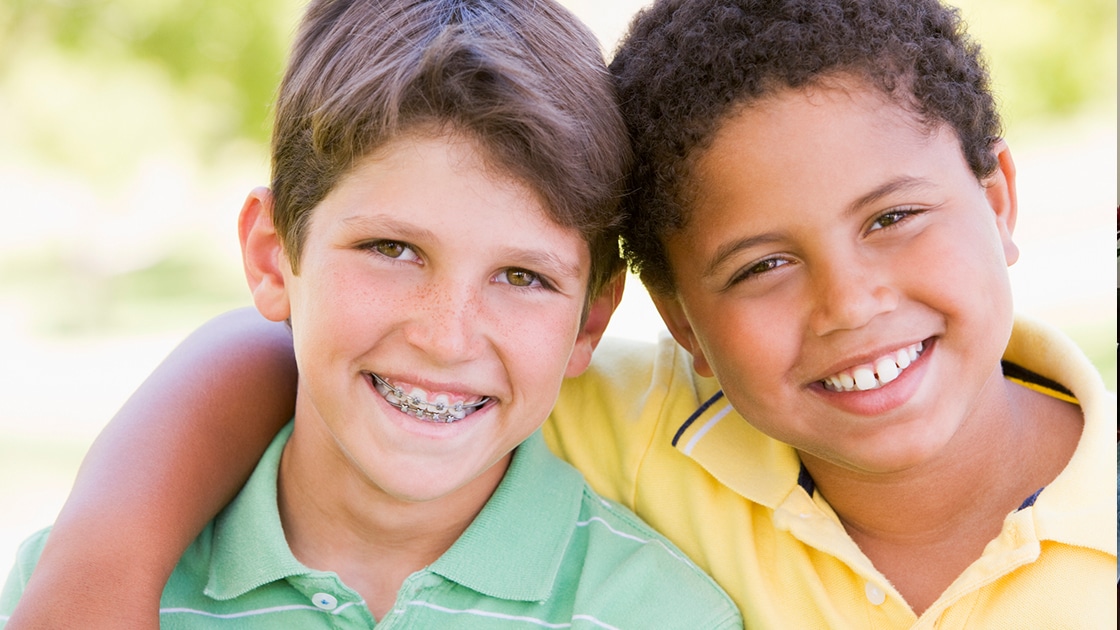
<point>627,567</point>
<point>609,526</point>
<point>605,420</point>
<point>626,364</point>
<point>618,397</point>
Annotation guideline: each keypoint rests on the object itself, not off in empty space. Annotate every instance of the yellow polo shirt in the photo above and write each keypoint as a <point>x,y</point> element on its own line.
<point>646,431</point>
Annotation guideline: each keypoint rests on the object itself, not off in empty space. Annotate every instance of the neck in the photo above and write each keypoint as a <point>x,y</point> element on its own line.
<point>335,519</point>
<point>924,525</point>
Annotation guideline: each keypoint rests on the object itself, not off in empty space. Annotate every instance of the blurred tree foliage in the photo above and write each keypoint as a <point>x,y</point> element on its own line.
<point>129,75</point>
<point>1049,58</point>
<point>198,44</point>
<point>68,67</point>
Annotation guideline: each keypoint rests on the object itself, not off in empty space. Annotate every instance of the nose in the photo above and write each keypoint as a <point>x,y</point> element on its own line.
<point>445,321</point>
<point>849,294</point>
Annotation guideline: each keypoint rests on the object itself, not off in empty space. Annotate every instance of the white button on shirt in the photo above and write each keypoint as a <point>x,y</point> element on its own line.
<point>325,601</point>
<point>875,595</point>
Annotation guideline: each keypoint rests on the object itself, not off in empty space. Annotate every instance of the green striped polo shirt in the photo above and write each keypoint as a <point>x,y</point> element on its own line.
<point>544,552</point>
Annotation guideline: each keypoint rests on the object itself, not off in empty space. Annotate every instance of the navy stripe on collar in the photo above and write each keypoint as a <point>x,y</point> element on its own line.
<point>1031,499</point>
<point>805,480</point>
<point>696,414</point>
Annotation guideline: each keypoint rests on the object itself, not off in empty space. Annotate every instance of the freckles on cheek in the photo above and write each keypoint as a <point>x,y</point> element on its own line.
<point>546,331</point>
<point>547,336</point>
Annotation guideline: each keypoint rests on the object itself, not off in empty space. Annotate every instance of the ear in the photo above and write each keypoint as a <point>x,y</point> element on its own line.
<point>595,324</point>
<point>999,188</point>
<point>672,313</point>
<point>262,253</point>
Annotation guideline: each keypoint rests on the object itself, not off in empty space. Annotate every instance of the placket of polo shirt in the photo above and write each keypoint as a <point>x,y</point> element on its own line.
<point>327,593</point>
<point>413,586</point>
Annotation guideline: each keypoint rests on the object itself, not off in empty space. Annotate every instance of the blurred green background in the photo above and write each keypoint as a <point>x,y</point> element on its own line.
<point>130,131</point>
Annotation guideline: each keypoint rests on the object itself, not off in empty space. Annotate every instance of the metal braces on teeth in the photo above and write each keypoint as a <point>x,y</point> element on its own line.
<point>433,412</point>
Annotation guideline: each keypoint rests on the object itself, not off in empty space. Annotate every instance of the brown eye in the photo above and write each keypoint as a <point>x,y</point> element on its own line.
<point>762,267</point>
<point>766,265</point>
<point>888,219</point>
<point>893,218</point>
<point>395,250</point>
<point>758,270</point>
<point>391,249</point>
<point>521,277</point>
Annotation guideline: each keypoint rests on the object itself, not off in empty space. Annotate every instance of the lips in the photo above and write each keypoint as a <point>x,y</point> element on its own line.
<point>876,374</point>
<point>427,406</point>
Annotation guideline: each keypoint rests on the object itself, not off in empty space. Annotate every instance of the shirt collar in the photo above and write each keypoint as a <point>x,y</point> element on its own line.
<point>740,456</point>
<point>514,547</point>
<point>512,550</point>
<point>249,547</point>
<point>1076,508</point>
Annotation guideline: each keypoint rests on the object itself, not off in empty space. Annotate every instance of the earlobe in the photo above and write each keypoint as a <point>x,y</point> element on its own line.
<point>599,313</point>
<point>999,188</point>
<point>672,313</point>
<point>262,253</point>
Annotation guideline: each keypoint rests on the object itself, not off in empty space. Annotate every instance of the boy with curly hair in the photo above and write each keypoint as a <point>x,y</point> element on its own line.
<point>854,429</point>
<point>823,211</point>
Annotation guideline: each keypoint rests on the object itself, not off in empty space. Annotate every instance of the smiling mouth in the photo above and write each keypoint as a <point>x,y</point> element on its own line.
<point>416,404</point>
<point>876,374</point>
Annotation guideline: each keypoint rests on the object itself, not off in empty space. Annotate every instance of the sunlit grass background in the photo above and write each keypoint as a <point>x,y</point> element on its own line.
<point>130,131</point>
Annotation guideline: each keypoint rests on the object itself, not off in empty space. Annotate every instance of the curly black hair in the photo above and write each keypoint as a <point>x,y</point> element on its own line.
<point>685,66</point>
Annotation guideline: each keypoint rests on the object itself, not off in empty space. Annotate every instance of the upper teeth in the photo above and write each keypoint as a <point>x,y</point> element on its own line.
<point>875,374</point>
<point>416,403</point>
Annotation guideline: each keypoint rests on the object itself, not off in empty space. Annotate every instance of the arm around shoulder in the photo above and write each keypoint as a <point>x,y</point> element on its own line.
<point>176,452</point>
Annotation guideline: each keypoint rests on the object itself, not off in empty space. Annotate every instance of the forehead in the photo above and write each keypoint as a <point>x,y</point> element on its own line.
<point>432,162</point>
<point>462,152</point>
<point>442,189</point>
<point>815,145</point>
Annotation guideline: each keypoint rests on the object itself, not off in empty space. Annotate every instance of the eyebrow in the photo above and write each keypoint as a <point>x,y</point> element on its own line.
<point>898,184</point>
<point>378,223</point>
<point>535,259</point>
<point>726,250</point>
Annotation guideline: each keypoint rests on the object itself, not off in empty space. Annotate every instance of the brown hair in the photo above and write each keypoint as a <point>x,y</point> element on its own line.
<point>687,65</point>
<point>526,80</point>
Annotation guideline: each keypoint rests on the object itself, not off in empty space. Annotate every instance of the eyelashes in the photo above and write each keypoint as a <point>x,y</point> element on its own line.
<point>517,277</point>
<point>523,278</point>
<point>758,268</point>
<point>892,218</point>
<point>395,250</point>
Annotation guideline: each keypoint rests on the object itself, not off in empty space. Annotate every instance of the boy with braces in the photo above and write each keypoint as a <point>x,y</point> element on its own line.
<point>413,489</point>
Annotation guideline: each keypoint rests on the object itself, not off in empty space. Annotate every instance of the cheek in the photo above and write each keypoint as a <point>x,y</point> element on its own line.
<point>966,271</point>
<point>748,349</point>
<point>538,344</point>
<point>339,307</point>
<point>553,336</point>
